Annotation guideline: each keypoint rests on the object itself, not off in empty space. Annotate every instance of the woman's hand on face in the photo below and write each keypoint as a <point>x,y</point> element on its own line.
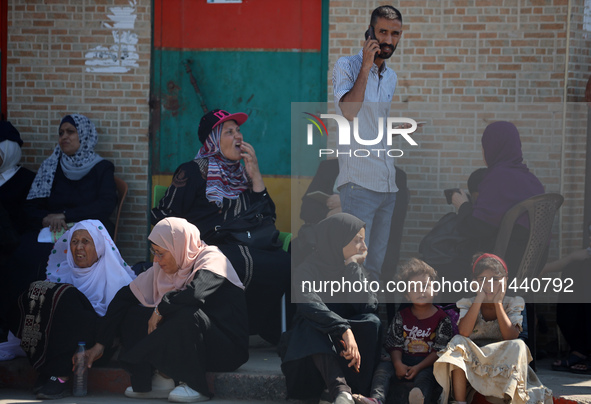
<point>55,221</point>
<point>92,354</point>
<point>351,352</point>
<point>251,165</point>
<point>153,322</point>
<point>358,258</point>
<point>459,198</point>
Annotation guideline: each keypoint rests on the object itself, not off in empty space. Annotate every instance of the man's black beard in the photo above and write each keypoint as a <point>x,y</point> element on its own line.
<point>384,45</point>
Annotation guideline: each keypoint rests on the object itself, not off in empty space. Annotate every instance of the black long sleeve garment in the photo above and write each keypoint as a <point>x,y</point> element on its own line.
<point>203,328</point>
<point>13,194</point>
<point>92,197</point>
<point>186,198</point>
<point>316,319</point>
<point>312,210</point>
<point>222,302</point>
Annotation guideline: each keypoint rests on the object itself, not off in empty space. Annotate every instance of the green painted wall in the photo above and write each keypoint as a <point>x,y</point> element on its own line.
<point>262,84</point>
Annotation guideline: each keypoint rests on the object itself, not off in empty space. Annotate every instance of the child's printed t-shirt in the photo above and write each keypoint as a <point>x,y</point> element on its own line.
<point>418,337</point>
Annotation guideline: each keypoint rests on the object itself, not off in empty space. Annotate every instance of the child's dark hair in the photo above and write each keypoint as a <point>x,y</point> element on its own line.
<point>481,262</point>
<point>415,267</point>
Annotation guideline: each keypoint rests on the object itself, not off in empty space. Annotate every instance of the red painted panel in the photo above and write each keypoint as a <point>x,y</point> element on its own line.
<point>254,24</point>
<point>3,52</point>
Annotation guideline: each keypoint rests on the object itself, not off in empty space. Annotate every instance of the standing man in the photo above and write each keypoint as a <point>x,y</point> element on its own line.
<point>363,87</point>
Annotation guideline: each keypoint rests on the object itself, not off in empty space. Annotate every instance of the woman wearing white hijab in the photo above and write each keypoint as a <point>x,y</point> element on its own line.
<point>84,272</point>
<point>184,316</point>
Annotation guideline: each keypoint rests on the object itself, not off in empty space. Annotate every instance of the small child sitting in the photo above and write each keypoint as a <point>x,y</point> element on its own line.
<point>413,339</point>
<point>487,353</point>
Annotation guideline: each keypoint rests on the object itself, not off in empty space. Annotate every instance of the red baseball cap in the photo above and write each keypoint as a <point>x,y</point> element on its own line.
<point>216,117</point>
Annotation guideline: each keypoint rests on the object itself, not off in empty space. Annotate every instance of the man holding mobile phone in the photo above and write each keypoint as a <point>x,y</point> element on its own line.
<point>363,87</point>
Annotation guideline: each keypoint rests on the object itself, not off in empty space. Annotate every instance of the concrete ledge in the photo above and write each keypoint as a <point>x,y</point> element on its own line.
<point>260,379</point>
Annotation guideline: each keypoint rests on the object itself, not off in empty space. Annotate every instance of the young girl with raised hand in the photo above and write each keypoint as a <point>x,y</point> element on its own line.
<point>487,354</point>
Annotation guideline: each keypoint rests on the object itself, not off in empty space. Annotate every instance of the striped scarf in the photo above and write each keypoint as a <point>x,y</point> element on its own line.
<point>225,178</point>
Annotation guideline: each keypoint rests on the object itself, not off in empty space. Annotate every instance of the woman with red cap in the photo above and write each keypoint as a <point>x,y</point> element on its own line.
<point>215,189</point>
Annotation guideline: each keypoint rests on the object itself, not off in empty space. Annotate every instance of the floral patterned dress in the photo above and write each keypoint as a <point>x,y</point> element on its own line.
<point>495,368</point>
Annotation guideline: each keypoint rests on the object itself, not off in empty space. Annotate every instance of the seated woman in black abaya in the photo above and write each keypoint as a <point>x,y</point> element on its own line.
<point>84,272</point>
<point>334,342</point>
<point>184,316</point>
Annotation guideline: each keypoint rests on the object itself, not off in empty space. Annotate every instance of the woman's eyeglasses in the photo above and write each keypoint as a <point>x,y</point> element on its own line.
<point>155,254</point>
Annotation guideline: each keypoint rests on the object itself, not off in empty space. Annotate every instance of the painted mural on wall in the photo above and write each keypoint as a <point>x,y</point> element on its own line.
<point>122,55</point>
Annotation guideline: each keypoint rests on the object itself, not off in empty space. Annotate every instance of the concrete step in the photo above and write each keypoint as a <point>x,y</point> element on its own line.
<point>258,380</point>
<point>13,396</point>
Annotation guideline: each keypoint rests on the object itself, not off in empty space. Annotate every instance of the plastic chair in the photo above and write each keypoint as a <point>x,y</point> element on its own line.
<point>541,210</point>
<point>121,194</point>
<point>159,191</point>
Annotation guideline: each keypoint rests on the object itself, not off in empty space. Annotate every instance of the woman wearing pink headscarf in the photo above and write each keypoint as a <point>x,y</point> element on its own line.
<point>184,316</point>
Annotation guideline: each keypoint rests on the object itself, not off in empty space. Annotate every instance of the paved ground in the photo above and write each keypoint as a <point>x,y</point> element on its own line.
<point>264,361</point>
<point>21,397</point>
<point>566,385</point>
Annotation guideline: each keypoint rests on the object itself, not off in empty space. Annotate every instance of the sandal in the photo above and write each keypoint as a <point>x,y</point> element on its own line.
<point>583,367</point>
<point>565,365</point>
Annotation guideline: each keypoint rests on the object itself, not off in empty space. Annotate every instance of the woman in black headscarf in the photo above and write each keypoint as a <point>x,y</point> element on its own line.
<point>334,341</point>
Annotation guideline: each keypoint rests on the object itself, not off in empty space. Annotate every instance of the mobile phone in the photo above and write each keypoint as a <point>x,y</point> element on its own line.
<point>449,192</point>
<point>370,33</point>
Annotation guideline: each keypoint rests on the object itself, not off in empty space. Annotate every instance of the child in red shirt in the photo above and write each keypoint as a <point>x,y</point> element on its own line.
<point>413,339</point>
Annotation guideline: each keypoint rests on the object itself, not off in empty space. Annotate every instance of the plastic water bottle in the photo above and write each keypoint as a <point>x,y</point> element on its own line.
<point>79,387</point>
